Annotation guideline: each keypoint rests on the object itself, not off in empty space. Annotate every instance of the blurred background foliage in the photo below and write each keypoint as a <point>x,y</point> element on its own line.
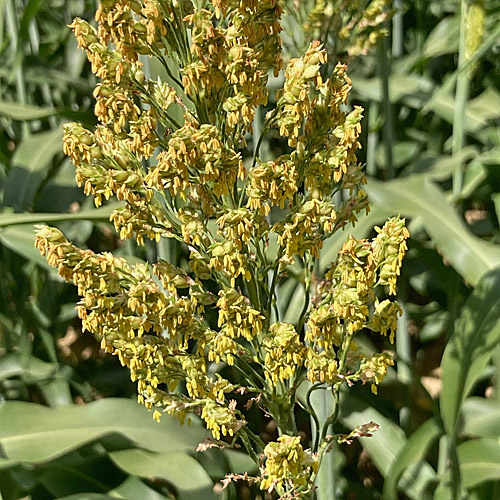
<point>69,427</point>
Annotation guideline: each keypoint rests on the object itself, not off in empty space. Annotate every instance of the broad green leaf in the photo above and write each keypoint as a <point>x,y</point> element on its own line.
<point>481,417</point>
<point>443,105</point>
<point>479,461</point>
<point>30,165</point>
<point>72,474</point>
<point>21,239</point>
<point>61,80</point>
<point>413,451</point>
<point>133,489</point>
<point>416,196</point>
<point>323,405</point>
<point>100,214</point>
<point>486,105</point>
<point>475,174</point>
<point>24,112</point>
<point>32,433</point>
<point>295,305</point>
<point>37,151</point>
<point>385,445</point>
<point>477,332</point>
<point>240,462</point>
<point>183,471</point>
<point>445,165</point>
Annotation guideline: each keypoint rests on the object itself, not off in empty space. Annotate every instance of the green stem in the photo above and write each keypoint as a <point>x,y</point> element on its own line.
<point>403,351</point>
<point>397,30</point>
<point>461,97</point>
<point>388,125</point>
<point>308,268</point>
<point>248,445</point>
<point>372,142</point>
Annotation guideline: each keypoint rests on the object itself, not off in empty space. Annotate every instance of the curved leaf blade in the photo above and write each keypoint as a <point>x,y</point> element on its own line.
<point>32,433</point>
<point>477,332</point>
<point>385,445</point>
<point>24,112</point>
<point>183,471</point>
<point>479,461</point>
<point>413,451</point>
<point>481,417</point>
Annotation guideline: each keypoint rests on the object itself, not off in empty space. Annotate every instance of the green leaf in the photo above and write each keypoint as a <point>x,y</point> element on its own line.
<point>94,214</point>
<point>443,39</point>
<point>416,196</point>
<point>478,112</point>
<point>30,165</point>
<point>37,151</point>
<point>445,165</point>
<point>385,445</point>
<point>24,112</point>
<point>240,462</point>
<point>413,451</point>
<point>477,332</point>
<point>31,433</point>
<point>133,489</point>
<point>481,417</point>
<point>57,392</point>
<point>182,471</point>
<point>479,461</point>
<point>21,239</point>
<point>403,153</point>
<point>400,86</point>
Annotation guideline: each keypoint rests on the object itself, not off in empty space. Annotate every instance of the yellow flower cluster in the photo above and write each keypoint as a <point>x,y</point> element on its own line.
<point>240,225</point>
<point>137,321</point>
<point>385,318</point>
<point>365,26</point>
<point>300,74</point>
<point>230,59</point>
<point>306,227</point>
<point>284,352</point>
<point>322,367</point>
<point>196,153</point>
<point>374,369</point>
<point>237,318</point>
<point>349,303</point>
<point>103,167</point>
<point>221,419</point>
<point>272,183</point>
<point>389,248</point>
<point>287,465</point>
<point>227,259</point>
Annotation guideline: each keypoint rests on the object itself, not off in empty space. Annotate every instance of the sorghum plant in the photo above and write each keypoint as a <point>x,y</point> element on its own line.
<point>243,221</point>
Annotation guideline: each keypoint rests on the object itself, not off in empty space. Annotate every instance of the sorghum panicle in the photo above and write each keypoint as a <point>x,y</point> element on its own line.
<point>243,221</point>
